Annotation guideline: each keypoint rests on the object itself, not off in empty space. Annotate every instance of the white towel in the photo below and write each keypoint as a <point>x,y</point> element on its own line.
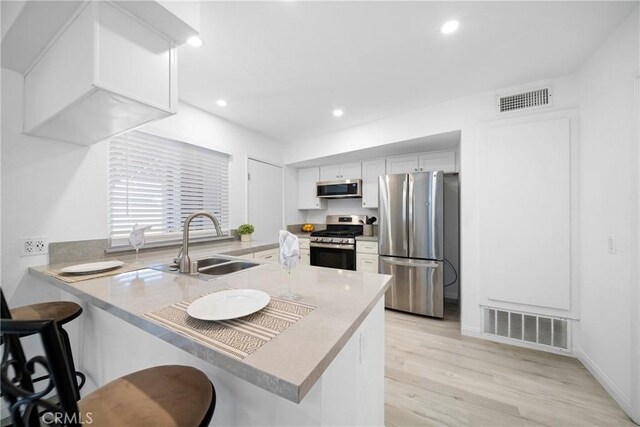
<point>136,237</point>
<point>289,250</point>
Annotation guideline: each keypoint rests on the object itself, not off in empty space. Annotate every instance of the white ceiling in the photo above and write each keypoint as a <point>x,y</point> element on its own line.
<point>283,66</point>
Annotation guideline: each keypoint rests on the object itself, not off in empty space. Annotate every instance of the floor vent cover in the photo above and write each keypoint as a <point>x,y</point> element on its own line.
<point>519,101</point>
<point>529,328</point>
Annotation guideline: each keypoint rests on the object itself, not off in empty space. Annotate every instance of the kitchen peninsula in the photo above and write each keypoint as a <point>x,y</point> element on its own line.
<point>325,369</point>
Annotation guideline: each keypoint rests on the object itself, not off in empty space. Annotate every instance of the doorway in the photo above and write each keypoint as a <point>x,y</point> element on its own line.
<point>264,200</point>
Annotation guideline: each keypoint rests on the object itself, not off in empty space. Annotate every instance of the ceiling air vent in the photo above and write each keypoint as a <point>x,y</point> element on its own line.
<point>541,331</point>
<point>520,101</point>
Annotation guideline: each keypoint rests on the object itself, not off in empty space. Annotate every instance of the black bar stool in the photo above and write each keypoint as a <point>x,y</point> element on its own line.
<point>160,396</point>
<point>61,312</point>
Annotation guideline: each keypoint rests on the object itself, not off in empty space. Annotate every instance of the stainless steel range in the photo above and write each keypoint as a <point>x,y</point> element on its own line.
<point>335,247</point>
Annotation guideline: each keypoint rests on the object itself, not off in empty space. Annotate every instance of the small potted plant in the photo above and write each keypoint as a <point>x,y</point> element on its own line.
<point>245,231</point>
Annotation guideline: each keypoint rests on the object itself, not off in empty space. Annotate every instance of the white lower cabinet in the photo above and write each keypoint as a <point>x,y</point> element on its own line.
<point>305,257</point>
<point>367,256</point>
<point>305,252</point>
<point>270,255</point>
<point>367,263</point>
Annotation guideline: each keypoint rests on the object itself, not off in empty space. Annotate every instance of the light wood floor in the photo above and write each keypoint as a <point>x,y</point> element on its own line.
<point>434,376</point>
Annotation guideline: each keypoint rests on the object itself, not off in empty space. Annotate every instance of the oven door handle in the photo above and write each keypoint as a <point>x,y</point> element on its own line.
<point>332,246</point>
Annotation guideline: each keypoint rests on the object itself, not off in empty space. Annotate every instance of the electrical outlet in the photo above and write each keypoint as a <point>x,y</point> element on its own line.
<point>34,246</point>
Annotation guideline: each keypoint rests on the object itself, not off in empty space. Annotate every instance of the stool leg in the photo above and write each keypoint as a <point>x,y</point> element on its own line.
<point>67,349</point>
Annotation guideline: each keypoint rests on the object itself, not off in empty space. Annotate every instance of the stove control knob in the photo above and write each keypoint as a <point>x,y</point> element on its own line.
<point>344,240</point>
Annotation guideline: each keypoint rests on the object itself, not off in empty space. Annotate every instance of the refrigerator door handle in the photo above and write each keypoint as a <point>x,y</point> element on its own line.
<point>410,263</point>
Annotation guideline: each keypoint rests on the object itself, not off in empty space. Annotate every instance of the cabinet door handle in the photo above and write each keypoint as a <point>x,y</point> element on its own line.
<point>420,169</point>
<point>415,170</point>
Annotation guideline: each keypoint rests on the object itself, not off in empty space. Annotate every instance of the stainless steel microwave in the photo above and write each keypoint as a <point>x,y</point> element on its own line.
<point>340,189</point>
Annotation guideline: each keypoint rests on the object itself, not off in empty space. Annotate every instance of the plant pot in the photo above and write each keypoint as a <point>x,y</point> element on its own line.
<point>245,237</point>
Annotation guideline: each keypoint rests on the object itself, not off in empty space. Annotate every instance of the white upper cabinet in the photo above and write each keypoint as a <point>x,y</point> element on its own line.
<point>344,171</point>
<point>329,173</point>
<point>402,164</point>
<point>307,179</point>
<point>371,170</point>
<point>106,73</point>
<point>441,160</point>
<point>438,161</point>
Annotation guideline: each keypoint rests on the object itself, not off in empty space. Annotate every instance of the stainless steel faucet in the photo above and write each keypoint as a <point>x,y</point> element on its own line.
<point>185,262</point>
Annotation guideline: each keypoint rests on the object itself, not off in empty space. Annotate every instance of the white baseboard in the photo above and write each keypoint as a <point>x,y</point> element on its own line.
<point>617,394</point>
<point>470,332</point>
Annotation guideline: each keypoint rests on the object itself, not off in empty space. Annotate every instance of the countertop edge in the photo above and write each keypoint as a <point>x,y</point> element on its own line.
<point>363,238</point>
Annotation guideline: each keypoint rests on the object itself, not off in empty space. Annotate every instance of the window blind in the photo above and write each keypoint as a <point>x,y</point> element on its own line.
<point>159,182</point>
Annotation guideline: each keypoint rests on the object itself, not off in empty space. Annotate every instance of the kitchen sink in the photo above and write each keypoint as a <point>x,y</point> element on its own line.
<point>230,267</point>
<point>214,266</point>
<point>209,262</point>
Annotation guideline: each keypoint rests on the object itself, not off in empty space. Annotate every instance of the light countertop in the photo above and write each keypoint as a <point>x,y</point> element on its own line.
<point>289,364</point>
<point>367,238</point>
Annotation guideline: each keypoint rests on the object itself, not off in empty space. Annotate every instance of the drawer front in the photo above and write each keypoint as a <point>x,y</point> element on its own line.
<point>366,247</point>
<point>271,255</point>
<point>367,263</point>
<point>305,257</point>
<point>303,243</point>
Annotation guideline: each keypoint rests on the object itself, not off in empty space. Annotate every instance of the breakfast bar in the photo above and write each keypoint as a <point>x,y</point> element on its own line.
<point>325,368</point>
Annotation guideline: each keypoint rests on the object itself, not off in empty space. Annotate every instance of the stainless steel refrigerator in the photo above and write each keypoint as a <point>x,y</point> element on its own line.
<point>410,241</point>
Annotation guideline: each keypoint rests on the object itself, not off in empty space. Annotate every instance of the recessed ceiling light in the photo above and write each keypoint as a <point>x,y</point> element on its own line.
<point>449,27</point>
<point>338,113</point>
<point>195,41</point>
<point>221,102</point>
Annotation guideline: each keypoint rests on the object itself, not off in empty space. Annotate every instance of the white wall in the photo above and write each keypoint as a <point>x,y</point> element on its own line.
<point>462,114</point>
<point>609,206</point>
<point>59,190</point>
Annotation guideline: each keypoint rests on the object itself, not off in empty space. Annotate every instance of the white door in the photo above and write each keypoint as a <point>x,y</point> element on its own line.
<point>525,211</point>
<point>265,200</point>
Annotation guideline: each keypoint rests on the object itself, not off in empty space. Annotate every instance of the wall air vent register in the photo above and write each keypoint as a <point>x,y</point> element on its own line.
<point>540,331</point>
<point>524,100</point>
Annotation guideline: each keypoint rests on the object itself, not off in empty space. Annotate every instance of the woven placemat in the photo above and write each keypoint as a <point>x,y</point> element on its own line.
<point>236,337</point>
<point>73,278</point>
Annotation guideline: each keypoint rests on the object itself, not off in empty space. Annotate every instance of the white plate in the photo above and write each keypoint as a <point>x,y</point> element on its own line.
<point>228,304</point>
<point>93,267</point>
